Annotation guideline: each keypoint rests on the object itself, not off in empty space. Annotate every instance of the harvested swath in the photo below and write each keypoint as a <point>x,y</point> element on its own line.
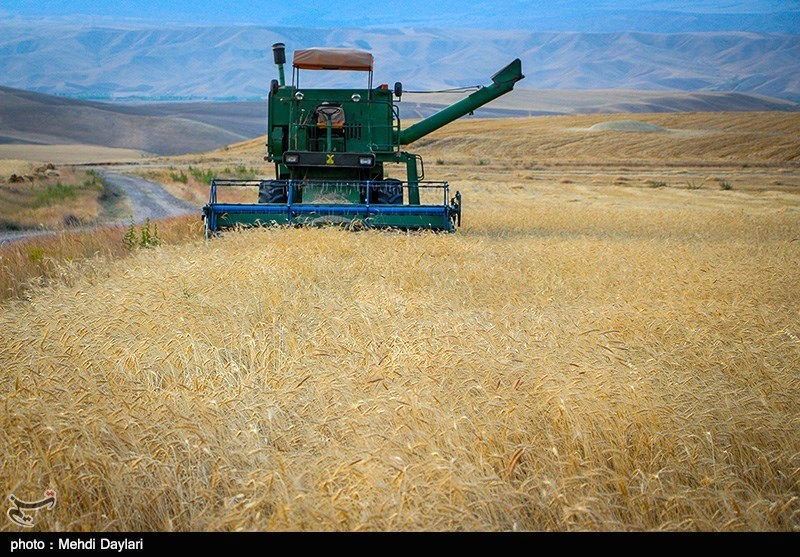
<point>627,126</point>
<point>628,361</point>
<point>694,139</point>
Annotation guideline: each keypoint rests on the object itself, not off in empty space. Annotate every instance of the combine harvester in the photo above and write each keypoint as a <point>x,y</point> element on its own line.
<point>329,147</point>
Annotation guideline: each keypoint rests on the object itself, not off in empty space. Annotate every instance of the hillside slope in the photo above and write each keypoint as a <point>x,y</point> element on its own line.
<point>683,139</point>
<point>760,138</point>
<point>542,102</point>
<point>27,117</point>
<point>29,120</point>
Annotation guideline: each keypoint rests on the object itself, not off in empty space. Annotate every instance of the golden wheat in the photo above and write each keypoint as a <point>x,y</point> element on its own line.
<point>576,357</point>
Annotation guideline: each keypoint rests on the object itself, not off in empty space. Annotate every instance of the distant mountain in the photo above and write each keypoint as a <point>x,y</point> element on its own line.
<point>235,62</point>
<point>608,16</point>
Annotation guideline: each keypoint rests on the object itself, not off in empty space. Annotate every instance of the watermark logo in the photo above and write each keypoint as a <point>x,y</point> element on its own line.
<point>17,514</point>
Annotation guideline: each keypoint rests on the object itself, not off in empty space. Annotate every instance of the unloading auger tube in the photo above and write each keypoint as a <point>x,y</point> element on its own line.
<point>339,154</point>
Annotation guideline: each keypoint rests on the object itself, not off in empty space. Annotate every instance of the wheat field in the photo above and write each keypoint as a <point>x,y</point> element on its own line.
<point>66,154</point>
<point>578,356</point>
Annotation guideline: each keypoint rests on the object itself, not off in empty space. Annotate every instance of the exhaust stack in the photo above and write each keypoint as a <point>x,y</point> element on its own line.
<point>279,54</point>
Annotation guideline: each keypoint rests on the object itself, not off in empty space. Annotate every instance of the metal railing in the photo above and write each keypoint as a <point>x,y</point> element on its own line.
<point>297,186</point>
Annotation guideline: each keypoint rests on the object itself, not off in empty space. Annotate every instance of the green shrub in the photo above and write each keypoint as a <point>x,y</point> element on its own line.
<point>179,177</point>
<point>35,254</point>
<point>146,238</point>
<point>202,176</point>
<point>54,194</point>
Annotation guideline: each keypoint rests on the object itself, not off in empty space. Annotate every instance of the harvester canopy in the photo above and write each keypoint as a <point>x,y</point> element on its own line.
<point>333,59</point>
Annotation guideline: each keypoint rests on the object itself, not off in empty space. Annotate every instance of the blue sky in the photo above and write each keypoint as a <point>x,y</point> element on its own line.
<point>559,15</point>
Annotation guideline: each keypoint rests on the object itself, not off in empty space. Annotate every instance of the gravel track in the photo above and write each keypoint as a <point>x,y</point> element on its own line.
<point>148,199</point>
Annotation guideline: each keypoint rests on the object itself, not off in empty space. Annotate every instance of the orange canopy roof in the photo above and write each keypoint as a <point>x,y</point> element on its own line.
<point>333,59</point>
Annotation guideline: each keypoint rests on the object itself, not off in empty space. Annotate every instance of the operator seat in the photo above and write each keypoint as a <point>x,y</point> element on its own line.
<point>332,111</point>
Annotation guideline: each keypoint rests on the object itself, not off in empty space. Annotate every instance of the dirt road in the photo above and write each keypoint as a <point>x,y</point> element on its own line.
<point>146,199</point>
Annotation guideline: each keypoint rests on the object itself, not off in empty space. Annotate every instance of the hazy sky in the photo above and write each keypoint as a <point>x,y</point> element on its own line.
<point>560,15</point>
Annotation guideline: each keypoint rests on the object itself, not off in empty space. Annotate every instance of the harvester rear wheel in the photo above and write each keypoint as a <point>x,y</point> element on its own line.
<point>390,192</point>
<point>270,192</point>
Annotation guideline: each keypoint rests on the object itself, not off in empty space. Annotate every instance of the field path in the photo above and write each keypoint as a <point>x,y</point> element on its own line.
<point>146,199</point>
<point>12,236</point>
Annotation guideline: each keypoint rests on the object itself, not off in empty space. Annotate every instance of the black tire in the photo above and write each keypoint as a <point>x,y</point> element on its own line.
<point>270,192</point>
<point>273,86</point>
<point>390,192</point>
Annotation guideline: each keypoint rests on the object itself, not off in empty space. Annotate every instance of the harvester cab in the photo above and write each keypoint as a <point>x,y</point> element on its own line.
<point>333,150</point>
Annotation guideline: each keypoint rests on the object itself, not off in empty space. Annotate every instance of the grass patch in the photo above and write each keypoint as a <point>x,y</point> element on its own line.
<point>179,177</point>
<point>54,194</point>
<point>202,175</point>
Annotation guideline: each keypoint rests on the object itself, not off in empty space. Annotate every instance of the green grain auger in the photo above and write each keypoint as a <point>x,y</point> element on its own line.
<point>332,149</point>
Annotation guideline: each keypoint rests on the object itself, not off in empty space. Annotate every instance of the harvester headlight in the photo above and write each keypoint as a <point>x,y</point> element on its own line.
<point>365,161</point>
<point>290,158</point>
<point>299,96</point>
<point>356,97</point>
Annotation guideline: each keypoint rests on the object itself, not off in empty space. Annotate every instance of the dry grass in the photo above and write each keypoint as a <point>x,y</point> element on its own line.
<point>64,154</point>
<point>748,150</point>
<point>16,166</point>
<point>67,197</point>
<point>191,181</point>
<point>60,257</point>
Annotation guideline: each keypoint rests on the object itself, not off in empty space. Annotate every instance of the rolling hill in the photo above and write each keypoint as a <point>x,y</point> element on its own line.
<point>32,119</point>
<point>540,102</point>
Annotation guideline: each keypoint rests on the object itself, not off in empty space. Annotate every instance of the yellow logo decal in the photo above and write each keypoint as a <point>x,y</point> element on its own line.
<point>330,160</point>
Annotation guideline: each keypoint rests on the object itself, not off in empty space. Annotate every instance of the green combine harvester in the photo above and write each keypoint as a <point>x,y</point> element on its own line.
<point>331,149</point>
